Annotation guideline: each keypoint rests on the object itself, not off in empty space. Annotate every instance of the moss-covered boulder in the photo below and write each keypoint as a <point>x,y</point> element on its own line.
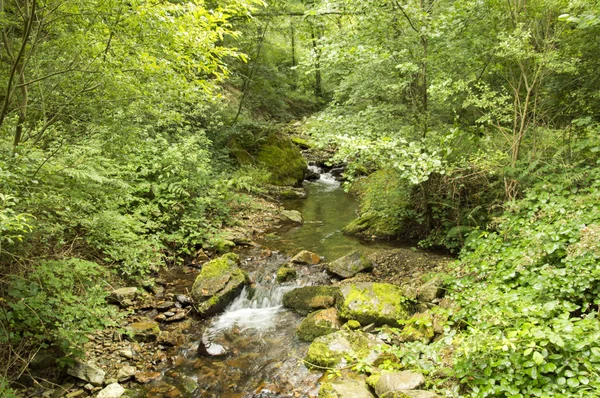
<point>345,388</point>
<point>319,323</point>
<point>219,282</point>
<point>329,351</point>
<point>418,328</point>
<point>144,331</point>
<point>285,274</point>
<point>349,265</point>
<point>307,299</point>
<point>378,303</point>
<point>283,160</point>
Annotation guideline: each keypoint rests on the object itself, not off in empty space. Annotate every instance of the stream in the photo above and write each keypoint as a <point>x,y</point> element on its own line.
<point>254,349</point>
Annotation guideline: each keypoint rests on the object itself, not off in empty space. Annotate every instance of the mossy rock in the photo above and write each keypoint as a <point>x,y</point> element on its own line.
<point>218,283</point>
<point>329,351</point>
<point>319,323</point>
<point>280,157</point>
<point>378,303</point>
<point>144,331</point>
<point>301,142</point>
<point>285,274</point>
<point>352,325</point>
<point>307,299</point>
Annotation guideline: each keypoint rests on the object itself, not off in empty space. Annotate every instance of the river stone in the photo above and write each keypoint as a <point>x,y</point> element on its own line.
<point>87,371</point>
<point>291,217</point>
<point>377,303</point>
<point>306,258</point>
<point>219,282</point>
<point>329,351</point>
<point>393,382</point>
<point>145,331</point>
<point>319,323</point>
<point>307,299</point>
<point>114,390</point>
<point>122,295</point>
<point>345,388</point>
<point>349,265</point>
<point>412,394</point>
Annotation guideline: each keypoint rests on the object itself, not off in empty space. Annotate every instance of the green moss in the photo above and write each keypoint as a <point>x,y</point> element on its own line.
<point>378,303</point>
<point>385,204</point>
<point>373,379</point>
<point>303,143</point>
<point>327,391</point>
<point>280,157</point>
<point>352,325</point>
<point>219,266</point>
<point>285,274</point>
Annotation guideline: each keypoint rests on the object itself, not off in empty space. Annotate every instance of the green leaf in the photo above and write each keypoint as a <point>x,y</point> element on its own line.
<point>538,358</point>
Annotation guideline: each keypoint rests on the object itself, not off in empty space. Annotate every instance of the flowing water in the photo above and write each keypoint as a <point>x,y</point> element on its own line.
<point>252,343</point>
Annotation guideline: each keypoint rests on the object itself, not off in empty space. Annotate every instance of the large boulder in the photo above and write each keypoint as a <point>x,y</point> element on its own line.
<point>283,160</point>
<point>307,299</point>
<point>378,303</point>
<point>345,388</point>
<point>329,351</point>
<point>88,372</point>
<point>319,323</point>
<point>349,265</point>
<point>218,283</point>
<point>123,296</point>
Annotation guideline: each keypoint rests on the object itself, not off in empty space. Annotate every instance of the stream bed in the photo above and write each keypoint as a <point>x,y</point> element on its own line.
<point>254,351</point>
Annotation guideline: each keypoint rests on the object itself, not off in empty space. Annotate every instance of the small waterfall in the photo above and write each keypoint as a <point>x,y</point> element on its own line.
<point>326,179</point>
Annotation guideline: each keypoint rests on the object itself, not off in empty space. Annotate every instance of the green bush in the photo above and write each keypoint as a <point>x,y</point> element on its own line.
<point>529,296</point>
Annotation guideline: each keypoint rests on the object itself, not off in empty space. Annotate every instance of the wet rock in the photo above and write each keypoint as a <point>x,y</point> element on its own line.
<point>114,390</point>
<point>377,303</point>
<point>126,373</point>
<point>145,331</point>
<point>291,217</point>
<point>312,175</point>
<point>307,299</point>
<point>329,351</point>
<point>160,318</point>
<point>165,306</point>
<point>164,391</point>
<point>349,265</point>
<point>392,382</point>
<point>285,274</point>
<point>319,323</point>
<point>430,291</point>
<point>119,296</point>
<point>146,377</point>
<point>87,371</point>
<point>345,388</point>
<point>184,300</point>
<point>306,258</point>
<point>418,328</point>
<point>219,282</point>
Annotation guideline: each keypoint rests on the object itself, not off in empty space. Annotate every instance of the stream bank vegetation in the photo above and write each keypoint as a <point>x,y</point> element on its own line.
<point>131,132</point>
